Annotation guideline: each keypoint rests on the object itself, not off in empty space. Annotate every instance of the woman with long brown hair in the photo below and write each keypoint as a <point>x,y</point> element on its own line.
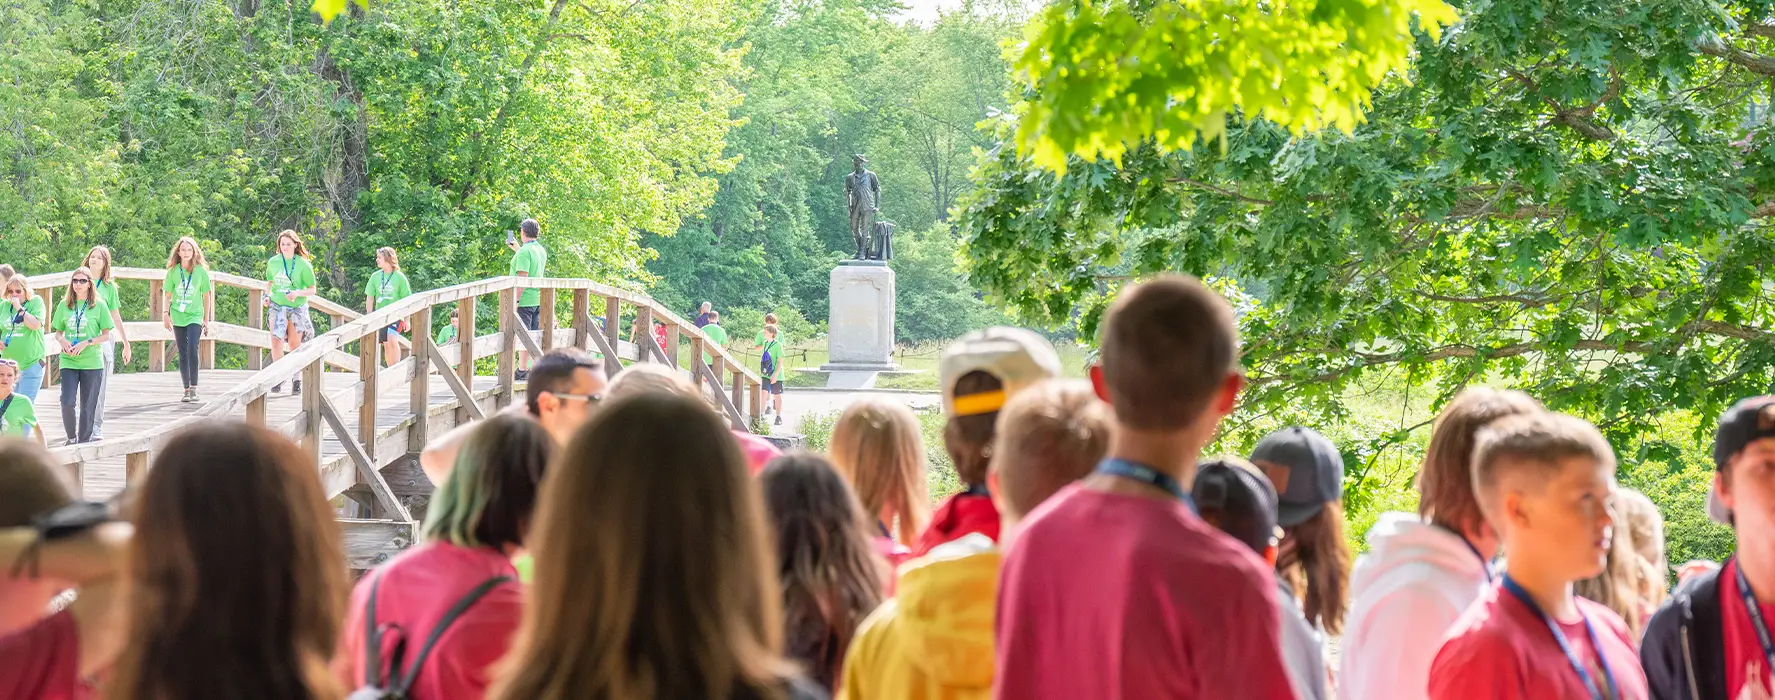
<point>237,579</point>
<point>82,326</point>
<point>104,284</point>
<point>654,579</point>
<point>291,277</point>
<point>387,285</point>
<point>189,302</point>
<point>876,446</point>
<point>832,576</point>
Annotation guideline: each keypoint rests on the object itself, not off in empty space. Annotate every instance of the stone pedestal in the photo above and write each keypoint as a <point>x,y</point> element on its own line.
<point>860,336</point>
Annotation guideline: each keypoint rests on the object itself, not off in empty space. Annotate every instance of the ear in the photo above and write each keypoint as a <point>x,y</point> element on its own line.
<point>1723,486</point>
<point>1097,382</point>
<point>1513,508</point>
<point>1228,398</point>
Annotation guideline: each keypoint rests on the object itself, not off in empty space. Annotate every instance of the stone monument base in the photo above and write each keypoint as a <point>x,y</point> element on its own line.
<point>860,334</point>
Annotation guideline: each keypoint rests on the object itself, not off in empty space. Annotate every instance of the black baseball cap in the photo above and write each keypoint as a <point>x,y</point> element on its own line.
<point>1234,496</point>
<point>1745,422</point>
<point>1315,472</point>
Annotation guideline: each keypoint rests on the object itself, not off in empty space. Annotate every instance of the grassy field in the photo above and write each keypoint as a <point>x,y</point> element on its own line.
<point>919,362</point>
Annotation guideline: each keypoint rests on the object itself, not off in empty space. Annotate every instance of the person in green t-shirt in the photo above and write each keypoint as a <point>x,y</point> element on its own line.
<point>716,333</point>
<point>188,305</point>
<point>18,416</point>
<point>22,323</point>
<point>770,363</point>
<point>82,324</point>
<point>291,277</point>
<point>387,286</point>
<point>447,334</point>
<point>770,319</point>
<point>529,260</point>
<point>105,283</point>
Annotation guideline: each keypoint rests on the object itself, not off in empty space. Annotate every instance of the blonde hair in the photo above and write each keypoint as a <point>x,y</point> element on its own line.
<point>394,260</point>
<point>877,447</point>
<point>1051,434</point>
<point>301,250</point>
<point>197,258</point>
<point>105,255</point>
<point>1632,580</point>
<point>647,378</point>
<point>24,284</point>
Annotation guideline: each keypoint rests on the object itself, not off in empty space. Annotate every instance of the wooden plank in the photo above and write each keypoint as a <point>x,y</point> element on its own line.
<point>755,393</point>
<point>370,543</point>
<point>465,334</point>
<point>256,321</point>
<point>256,411</point>
<point>696,359</point>
<point>366,466</point>
<point>368,350</point>
<point>546,319</point>
<point>135,467</point>
<point>739,397</point>
<point>612,360</point>
<point>672,347</point>
<point>156,349</point>
<point>419,380</point>
<point>612,320</point>
<point>582,322</point>
<point>731,411</point>
<point>206,348</point>
<point>642,334</point>
<point>508,330</point>
<point>311,408</point>
<point>525,339</point>
<point>455,383</point>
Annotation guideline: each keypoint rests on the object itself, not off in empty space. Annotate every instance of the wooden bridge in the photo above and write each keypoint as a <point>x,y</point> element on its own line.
<point>364,424</point>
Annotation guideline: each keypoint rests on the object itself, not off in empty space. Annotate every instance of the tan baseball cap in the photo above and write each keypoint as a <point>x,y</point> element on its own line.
<point>1016,356</point>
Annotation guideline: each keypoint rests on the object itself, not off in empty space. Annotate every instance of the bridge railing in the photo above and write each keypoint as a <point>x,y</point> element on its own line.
<point>350,345</point>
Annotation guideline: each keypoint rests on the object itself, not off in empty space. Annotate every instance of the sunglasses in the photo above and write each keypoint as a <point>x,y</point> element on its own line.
<point>81,280</point>
<point>588,398</point>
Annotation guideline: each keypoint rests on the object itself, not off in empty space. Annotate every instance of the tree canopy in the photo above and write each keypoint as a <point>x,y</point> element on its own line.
<point>1571,197</point>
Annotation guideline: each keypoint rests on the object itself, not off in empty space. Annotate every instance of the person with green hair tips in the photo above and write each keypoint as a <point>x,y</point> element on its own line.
<point>476,524</point>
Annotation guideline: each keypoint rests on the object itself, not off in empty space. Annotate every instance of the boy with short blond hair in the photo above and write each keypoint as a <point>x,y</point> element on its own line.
<point>1545,482</point>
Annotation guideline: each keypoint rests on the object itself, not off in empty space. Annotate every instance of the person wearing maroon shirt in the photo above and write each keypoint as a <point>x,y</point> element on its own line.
<point>1114,588</point>
<point>1712,640</point>
<point>1546,483</point>
<point>52,658</point>
<point>475,526</point>
<point>979,372</point>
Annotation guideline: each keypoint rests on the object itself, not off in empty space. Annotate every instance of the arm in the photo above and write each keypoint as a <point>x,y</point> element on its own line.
<point>166,310</point>
<point>31,320</point>
<point>440,454</point>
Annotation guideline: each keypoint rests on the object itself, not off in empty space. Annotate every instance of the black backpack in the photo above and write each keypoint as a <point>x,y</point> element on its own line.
<point>397,688</point>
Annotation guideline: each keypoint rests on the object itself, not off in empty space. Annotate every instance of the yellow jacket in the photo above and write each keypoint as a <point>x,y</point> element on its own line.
<point>934,640</point>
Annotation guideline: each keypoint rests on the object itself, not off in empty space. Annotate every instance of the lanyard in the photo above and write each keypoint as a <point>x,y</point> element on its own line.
<point>80,318</point>
<point>185,283</point>
<point>12,328</point>
<point>289,269</point>
<point>387,279</point>
<point>1755,611</point>
<point>1614,691</point>
<point>1139,472</point>
<point>1484,564</point>
<point>978,490</point>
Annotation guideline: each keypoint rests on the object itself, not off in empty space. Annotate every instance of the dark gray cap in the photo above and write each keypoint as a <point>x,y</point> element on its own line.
<point>1234,497</point>
<point>1314,472</point>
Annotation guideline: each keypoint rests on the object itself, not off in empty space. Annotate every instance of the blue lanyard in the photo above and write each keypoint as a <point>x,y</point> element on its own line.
<point>1484,564</point>
<point>1614,691</point>
<point>185,284</point>
<point>12,328</point>
<point>1755,612</point>
<point>80,319</point>
<point>289,269</point>
<point>978,490</point>
<point>1139,472</point>
<point>387,279</point>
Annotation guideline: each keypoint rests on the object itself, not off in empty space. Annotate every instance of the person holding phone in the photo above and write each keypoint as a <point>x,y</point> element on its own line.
<point>82,325</point>
<point>387,286</point>
<point>292,282</point>
<point>21,332</point>
<point>188,304</point>
<point>529,260</point>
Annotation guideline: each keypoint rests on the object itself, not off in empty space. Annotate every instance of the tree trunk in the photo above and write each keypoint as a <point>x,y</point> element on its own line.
<point>351,177</point>
<point>487,143</point>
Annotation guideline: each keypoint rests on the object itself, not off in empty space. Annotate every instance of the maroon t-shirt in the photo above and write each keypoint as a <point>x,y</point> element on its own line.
<point>1747,669</point>
<point>42,662</point>
<point>1501,650</point>
<point>1112,596</point>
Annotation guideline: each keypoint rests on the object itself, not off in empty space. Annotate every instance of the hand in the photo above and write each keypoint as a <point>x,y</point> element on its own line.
<point>290,295</point>
<point>126,353</point>
<point>67,348</point>
<point>512,245</point>
<point>203,330</point>
<point>268,301</point>
<point>168,322</point>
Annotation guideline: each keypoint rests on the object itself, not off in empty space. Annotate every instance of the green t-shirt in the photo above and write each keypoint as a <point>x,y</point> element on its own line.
<point>775,348</point>
<point>23,345</point>
<point>387,289</point>
<point>446,334</point>
<point>288,275</point>
<point>526,567</point>
<point>20,416</point>
<point>530,260</point>
<point>107,291</point>
<point>82,323</point>
<point>718,336</point>
<point>187,291</point>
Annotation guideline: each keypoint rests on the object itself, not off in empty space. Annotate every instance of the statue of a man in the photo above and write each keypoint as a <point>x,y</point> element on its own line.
<point>862,191</point>
<point>883,247</point>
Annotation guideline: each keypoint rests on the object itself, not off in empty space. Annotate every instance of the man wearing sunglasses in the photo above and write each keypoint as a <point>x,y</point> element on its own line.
<point>562,391</point>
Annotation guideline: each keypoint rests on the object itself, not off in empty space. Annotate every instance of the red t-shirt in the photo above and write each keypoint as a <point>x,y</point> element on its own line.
<point>1745,663</point>
<point>417,588</point>
<point>960,515</point>
<point>1110,596</point>
<point>1501,650</point>
<point>42,662</point>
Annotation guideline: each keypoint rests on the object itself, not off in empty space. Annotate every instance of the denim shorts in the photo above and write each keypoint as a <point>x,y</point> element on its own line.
<point>283,317</point>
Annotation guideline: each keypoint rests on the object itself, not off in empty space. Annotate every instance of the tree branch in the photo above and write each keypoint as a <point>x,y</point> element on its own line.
<point>1225,192</point>
<point>1717,47</point>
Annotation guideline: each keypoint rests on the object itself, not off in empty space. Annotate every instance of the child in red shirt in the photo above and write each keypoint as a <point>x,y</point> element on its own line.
<point>1545,482</point>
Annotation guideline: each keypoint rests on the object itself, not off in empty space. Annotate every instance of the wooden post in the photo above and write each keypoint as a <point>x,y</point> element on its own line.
<point>77,472</point>
<point>739,387</point>
<point>314,390</point>
<point>336,319</point>
<point>546,320</point>
<point>367,360</point>
<point>582,323</point>
<point>256,320</point>
<point>49,358</point>
<point>757,398</point>
<point>672,346</point>
<point>644,324</point>
<point>419,401</point>
<point>613,322</point>
<point>206,348</point>
<point>156,348</point>
<point>508,347</point>
<point>135,466</point>
<point>696,355</point>
<point>465,338</point>
<point>256,411</point>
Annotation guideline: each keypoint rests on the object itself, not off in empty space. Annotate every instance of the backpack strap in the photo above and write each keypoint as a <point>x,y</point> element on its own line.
<point>444,623</point>
<point>372,636</point>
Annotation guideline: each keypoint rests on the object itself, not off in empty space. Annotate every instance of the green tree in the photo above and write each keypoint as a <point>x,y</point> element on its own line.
<point>935,302</point>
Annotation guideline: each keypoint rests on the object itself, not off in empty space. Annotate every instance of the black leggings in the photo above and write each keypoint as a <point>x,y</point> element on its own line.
<point>187,337</point>
<point>82,386</point>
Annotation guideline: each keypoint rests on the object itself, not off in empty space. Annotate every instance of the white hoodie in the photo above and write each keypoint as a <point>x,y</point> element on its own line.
<point>1405,593</point>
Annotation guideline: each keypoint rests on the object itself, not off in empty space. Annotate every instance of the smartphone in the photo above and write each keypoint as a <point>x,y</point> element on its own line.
<point>511,237</point>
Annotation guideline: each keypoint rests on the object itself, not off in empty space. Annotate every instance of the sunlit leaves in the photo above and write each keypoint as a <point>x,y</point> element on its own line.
<point>328,9</point>
<point>1104,75</point>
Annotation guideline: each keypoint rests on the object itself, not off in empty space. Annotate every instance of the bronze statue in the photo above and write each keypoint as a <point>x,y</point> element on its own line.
<point>862,191</point>
<point>883,245</point>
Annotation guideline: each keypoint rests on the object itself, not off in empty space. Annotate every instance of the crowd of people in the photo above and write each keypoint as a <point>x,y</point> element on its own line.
<point>613,538</point>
